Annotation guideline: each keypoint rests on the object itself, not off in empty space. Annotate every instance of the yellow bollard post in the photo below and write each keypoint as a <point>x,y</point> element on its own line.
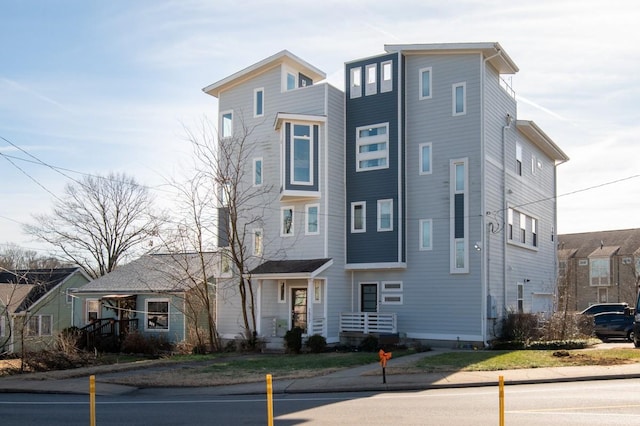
<point>269,401</point>
<point>92,400</point>
<point>501,396</point>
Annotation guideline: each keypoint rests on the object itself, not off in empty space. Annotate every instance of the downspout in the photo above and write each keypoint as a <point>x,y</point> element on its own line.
<point>483,234</point>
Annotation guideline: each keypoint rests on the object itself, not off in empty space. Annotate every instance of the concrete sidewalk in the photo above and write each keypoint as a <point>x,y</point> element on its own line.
<point>363,378</point>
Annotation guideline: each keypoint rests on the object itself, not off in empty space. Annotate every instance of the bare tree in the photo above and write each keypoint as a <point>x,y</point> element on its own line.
<point>98,222</point>
<point>12,256</point>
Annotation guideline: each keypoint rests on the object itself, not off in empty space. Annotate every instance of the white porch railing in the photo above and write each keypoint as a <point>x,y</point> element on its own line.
<point>368,322</point>
<point>316,326</point>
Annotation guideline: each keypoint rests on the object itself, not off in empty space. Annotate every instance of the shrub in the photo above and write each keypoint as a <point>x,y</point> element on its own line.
<point>136,343</point>
<point>369,344</point>
<point>568,326</point>
<point>520,327</point>
<point>293,340</point>
<point>317,343</point>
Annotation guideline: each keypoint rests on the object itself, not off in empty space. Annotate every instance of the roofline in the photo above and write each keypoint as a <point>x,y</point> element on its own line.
<point>498,57</point>
<point>541,140</point>
<point>294,275</point>
<point>78,269</point>
<point>285,116</point>
<point>282,57</point>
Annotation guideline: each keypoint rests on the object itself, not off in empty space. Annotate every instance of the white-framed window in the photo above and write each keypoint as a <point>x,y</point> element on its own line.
<point>603,295</point>
<point>156,315</point>
<point>317,291</point>
<point>425,234</point>
<point>391,299</point>
<point>520,299</point>
<point>257,242</point>
<point>425,158</point>
<point>225,264</point>
<point>459,98</point>
<point>518,159</point>
<point>599,271</point>
<point>69,295</point>
<point>371,87</point>
<point>583,262</point>
<point>386,83</point>
<point>290,79</point>
<point>523,228</point>
<point>311,213</point>
<point>372,147</point>
<point>258,102</point>
<point>385,215</point>
<point>391,286</point>
<point>459,226</point>
<point>355,82</point>
<point>534,232</point>
<point>93,310</point>
<point>282,292</point>
<point>359,216</point>
<point>40,325</point>
<point>301,155</point>
<point>510,223</point>
<point>286,220</point>
<point>257,171</point>
<point>424,83</point>
<point>226,124</point>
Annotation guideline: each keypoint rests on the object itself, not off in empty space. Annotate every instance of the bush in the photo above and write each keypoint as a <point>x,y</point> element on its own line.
<point>317,343</point>
<point>136,343</point>
<point>520,327</point>
<point>568,326</point>
<point>369,344</point>
<point>293,340</point>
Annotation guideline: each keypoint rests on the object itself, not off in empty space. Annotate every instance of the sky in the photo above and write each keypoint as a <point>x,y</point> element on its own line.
<point>90,87</point>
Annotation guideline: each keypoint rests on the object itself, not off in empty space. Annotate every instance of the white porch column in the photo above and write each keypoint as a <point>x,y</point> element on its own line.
<point>310,293</point>
<point>258,309</point>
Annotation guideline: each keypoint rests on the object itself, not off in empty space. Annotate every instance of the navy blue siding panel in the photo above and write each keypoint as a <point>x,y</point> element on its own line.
<point>370,186</point>
<point>459,215</point>
<point>288,185</point>
<point>223,223</point>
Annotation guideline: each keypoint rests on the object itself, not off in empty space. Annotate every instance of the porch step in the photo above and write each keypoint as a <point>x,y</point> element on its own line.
<point>274,345</point>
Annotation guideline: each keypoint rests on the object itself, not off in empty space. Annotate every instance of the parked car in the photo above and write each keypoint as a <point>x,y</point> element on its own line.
<point>612,325</point>
<point>605,307</point>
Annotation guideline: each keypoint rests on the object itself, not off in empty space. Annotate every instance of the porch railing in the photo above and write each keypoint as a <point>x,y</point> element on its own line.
<point>102,328</point>
<point>316,326</point>
<point>368,322</point>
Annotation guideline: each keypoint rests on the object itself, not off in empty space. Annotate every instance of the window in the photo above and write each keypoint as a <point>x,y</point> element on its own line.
<point>534,232</point>
<point>292,81</point>
<point>317,291</point>
<point>257,171</point>
<point>301,155</point>
<point>40,325</point>
<point>371,88</point>
<point>425,158</point>
<point>226,124</point>
<point>258,102</point>
<point>372,147</point>
<point>520,297</point>
<point>583,262</point>
<point>355,83</point>
<point>391,285</point>
<point>312,219</point>
<point>286,216</point>
<point>93,310</point>
<point>392,299</point>
<point>459,216</point>
<point>33,326</point>
<point>510,222</point>
<point>358,217</point>
<point>599,271</point>
<point>69,296</point>
<point>257,242</point>
<point>603,295</point>
<point>518,159</point>
<point>386,85</point>
<point>459,99</point>
<point>282,292</point>
<point>157,314</point>
<point>225,265</point>
<point>425,234</point>
<point>385,215</point>
<point>425,83</point>
<point>523,228</point>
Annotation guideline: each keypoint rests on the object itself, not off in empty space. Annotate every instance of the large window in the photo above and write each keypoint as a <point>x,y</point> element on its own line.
<point>358,216</point>
<point>312,219</point>
<point>226,124</point>
<point>459,216</point>
<point>257,171</point>
<point>425,158</point>
<point>157,314</point>
<point>258,102</point>
<point>40,325</point>
<point>425,83</point>
<point>385,215</point>
<point>425,234</point>
<point>600,271</point>
<point>459,99</point>
<point>372,147</point>
<point>286,219</point>
<point>93,310</point>
<point>302,155</point>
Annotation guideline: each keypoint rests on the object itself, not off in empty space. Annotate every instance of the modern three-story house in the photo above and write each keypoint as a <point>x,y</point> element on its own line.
<point>415,202</point>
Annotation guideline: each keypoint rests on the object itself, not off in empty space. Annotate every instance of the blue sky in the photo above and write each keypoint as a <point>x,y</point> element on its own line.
<point>94,87</point>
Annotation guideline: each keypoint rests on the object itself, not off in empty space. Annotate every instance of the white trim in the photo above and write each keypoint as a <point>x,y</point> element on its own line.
<point>454,88</point>
<point>385,299</point>
<point>86,309</point>
<point>355,82</point>
<point>388,201</point>
<point>386,85</point>
<point>146,314</point>
<point>282,291</point>
<point>306,217</point>
<point>222,127</point>
<point>420,148</point>
<point>387,289</point>
<point>421,71</point>
<point>293,221</point>
<point>354,204</point>
<point>381,266</point>
<point>310,141</point>
<point>255,102</point>
<point>448,337</point>
<point>372,140</point>
<point>370,87</point>
<point>255,161</point>
<point>422,247</point>
<point>317,290</point>
<point>286,71</point>
<point>464,240</point>
<point>258,246</point>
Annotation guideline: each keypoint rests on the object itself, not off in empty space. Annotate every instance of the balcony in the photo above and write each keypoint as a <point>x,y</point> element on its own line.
<point>368,322</point>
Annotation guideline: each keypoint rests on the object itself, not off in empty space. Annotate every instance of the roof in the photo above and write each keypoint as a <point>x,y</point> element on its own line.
<point>491,50</point>
<point>153,273</point>
<point>22,288</point>
<point>291,268</point>
<point>621,242</point>
<point>282,57</point>
<point>541,140</point>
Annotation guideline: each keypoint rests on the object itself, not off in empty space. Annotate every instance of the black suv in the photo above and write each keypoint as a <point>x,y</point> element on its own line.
<point>610,325</point>
<point>605,307</point>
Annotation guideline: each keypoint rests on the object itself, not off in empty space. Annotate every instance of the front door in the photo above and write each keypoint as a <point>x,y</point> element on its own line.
<point>299,308</point>
<point>369,297</point>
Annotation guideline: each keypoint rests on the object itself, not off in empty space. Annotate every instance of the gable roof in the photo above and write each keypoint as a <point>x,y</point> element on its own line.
<point>282,57</point>
<point>541,140</point>
<point>20,289</point>
<point>291,268</point>
<point>153,273</point>
<point>604,243</point>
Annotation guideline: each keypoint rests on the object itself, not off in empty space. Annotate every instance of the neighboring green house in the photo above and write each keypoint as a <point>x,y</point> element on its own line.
<point>35,305</point>
<point>158,295</point>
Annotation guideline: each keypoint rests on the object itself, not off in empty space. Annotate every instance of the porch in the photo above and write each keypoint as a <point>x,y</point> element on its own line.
<point>107,331</point>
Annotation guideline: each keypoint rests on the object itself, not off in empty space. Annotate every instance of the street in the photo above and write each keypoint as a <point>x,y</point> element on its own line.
<point>577,403</point>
